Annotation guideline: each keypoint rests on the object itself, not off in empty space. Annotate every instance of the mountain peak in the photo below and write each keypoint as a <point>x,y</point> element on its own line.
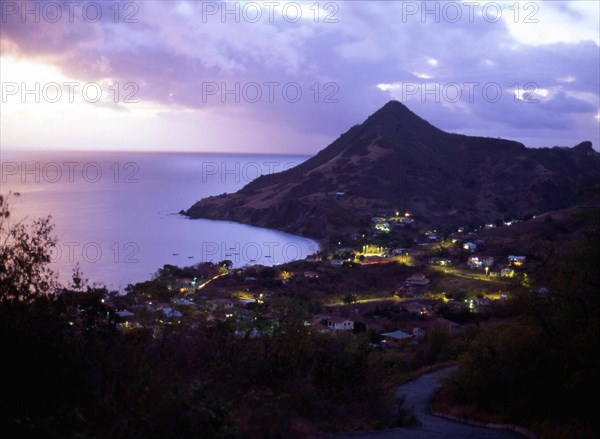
<point>398,118</point>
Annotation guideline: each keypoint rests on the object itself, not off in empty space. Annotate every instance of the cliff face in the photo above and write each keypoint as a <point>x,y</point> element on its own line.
<point>396,160</point>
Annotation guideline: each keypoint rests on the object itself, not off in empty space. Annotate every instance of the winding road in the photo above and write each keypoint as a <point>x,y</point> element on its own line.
<point>417,394</point>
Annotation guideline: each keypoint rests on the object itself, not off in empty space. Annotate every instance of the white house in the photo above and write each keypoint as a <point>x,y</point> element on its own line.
<point>507,272</point>
<point>337,323</point>
<point>471,246</point>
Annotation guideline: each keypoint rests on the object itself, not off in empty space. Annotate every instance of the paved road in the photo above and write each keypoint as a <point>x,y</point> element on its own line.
<point>417,394</point>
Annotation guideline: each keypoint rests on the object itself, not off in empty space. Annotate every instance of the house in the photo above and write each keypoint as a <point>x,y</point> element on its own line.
<point>480,262</point>
<point>418,279</point>
<point>183,302</point>
<point>337,323</point>
<point>171,313</point>
<point>383,227</point>
<point>470,246</point>
<point>244,315</point>
<point>314,258</point>
<point>487,261</point>
<point>220,303</point>
<point>452,327</point>
<point>395,338</point>
<point>432,235</point>
<point>318,324</point>
<point>417,308</point>
<point>373,250</point>
<point>419,333</point>
<point>339,259</point>
<point>507,272</point>
<point>128,325</point>
<point>311,274</point>
<point>406,290</point>
<point>516,261</point>
<point>444,262</point>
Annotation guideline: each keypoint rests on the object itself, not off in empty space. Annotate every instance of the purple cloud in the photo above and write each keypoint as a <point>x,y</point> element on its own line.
<point>186,55</point>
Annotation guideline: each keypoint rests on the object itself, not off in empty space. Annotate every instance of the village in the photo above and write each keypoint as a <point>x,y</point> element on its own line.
<point>438,281</point>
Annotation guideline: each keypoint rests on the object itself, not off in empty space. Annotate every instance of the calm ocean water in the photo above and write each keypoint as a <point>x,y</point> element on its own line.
<point>116,213</point>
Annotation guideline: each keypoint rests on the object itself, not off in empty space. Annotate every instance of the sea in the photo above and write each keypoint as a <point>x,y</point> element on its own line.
<point>116,214</point>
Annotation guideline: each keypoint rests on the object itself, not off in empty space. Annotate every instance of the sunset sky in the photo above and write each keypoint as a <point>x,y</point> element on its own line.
<point>160,75</point>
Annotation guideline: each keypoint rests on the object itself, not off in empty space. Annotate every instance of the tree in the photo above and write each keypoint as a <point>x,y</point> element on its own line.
<point>78,282</point>
<point>349,299</point>
<point>25,251</point>
<point>227,263</point>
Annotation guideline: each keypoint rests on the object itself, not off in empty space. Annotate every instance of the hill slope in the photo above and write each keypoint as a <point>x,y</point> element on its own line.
<point>396,160</point>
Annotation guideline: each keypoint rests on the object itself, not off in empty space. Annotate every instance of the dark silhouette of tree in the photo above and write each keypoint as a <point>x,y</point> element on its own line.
<point>25,251</point>
<point>78,282</point>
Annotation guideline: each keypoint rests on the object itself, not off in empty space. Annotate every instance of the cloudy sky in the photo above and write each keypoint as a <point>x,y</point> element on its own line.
<point>290,77</point>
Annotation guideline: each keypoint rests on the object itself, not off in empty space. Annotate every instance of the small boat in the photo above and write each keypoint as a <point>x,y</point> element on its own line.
<point>175,254</point>
<point>190,257</point>
<point>17,194</point>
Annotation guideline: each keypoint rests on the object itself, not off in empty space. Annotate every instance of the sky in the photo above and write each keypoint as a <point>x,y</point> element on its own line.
<point>290,77</point>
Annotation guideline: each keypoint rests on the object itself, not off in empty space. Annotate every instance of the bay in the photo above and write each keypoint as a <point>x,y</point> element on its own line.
<point>116,213</point>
